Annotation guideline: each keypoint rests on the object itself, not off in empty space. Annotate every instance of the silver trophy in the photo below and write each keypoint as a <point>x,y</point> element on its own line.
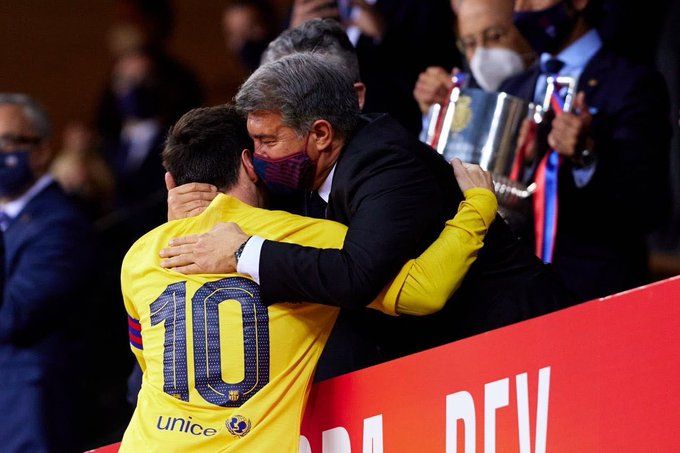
<point>485,128</point>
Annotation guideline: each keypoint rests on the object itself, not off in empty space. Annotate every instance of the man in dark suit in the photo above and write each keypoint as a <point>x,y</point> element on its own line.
<point>392,191</point>
<point>612,187</point>
<point>47,257</point>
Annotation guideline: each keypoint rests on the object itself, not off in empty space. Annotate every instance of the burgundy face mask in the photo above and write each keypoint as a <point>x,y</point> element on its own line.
<point>288,175</point>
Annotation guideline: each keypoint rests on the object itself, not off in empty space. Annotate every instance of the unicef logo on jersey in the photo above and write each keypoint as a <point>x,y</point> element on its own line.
<point>238,426</point>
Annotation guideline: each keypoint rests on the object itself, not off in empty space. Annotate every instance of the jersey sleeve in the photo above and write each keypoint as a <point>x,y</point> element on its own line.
<point>133,322</point>
<point>425,283</point>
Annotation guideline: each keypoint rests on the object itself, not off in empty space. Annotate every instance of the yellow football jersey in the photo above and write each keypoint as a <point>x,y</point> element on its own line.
<point>223,372</point>
<point>220,368</point>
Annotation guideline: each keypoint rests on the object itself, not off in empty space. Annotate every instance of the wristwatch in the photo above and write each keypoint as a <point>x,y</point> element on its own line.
<point>239,251</point>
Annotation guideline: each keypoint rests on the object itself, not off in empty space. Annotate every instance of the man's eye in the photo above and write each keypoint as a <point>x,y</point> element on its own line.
<point>495,37</point>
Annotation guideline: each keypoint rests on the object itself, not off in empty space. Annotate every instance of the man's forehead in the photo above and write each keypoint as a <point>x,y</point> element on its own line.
<point>264,123</point>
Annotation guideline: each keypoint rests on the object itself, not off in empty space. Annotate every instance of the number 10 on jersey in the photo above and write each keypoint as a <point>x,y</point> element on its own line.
<point>170,309</point>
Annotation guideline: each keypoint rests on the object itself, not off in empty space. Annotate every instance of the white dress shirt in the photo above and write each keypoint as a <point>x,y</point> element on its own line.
<point>141,136</point>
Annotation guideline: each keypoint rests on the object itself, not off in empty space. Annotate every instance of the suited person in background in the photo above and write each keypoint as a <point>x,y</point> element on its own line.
<point>395,41</point>
<point>47,257</point>
<point>613,184</point>
<point>491,44</point>
<point>392,191</point>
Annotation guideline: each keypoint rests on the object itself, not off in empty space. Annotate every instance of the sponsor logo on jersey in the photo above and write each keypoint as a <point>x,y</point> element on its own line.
<point>238,426</point>
<point>181,425</point>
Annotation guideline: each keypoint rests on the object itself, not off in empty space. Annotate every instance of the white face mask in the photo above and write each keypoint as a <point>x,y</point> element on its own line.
<point>491,66</point>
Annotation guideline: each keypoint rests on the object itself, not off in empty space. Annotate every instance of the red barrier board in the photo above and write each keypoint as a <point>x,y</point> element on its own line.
<point>601,376</point>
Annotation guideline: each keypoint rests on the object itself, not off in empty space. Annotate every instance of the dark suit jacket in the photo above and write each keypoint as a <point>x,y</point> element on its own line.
<point>395,194</point>
<point>2,264</point>
<point>47,262</point>
<point>600,245</point>
<point>418,34</point>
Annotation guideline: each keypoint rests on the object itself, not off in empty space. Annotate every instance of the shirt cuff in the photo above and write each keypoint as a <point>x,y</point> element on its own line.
<point>582,176</point>
<point>249,263</point>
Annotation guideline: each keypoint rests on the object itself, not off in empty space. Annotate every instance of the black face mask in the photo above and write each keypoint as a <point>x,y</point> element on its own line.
<point>546,30</point>
<point>138,102</point>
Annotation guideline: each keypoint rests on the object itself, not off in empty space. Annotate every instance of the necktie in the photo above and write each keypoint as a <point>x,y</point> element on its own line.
<point>315,206</point>
<point>545,199</point>
<point>4,220</point>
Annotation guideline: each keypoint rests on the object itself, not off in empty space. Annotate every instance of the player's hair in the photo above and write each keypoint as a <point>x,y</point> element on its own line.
<point>323,37</point>
<point>205,146</point>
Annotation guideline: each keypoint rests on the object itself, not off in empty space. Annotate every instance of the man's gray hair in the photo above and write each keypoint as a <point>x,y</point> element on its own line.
<point>318,36</point>
<point>33,110</point>
<point>303,88</point>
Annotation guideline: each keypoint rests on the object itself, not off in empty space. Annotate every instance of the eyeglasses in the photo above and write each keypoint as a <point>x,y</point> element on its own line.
<point>12,141</point>
<point>492,35</point>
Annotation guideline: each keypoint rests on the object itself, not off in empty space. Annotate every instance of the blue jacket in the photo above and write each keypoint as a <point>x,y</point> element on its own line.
<point>47,261</point>
<point>600,244</point>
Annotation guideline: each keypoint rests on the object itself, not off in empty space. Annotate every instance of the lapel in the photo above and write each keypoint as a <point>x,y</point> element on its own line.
<point>528,88</point>
<point>593,75</point>
<point>20,226</point>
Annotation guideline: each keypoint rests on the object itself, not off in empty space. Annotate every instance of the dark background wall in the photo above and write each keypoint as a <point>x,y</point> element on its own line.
<point>56,51</point>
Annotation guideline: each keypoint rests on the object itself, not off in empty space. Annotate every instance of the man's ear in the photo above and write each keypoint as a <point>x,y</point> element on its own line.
<point>360,88</point>
<point>323,135</point>
<point>247,164</point>
<point>169,181</point>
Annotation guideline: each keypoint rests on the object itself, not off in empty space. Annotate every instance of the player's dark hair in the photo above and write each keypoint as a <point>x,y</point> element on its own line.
<point>205,146</point>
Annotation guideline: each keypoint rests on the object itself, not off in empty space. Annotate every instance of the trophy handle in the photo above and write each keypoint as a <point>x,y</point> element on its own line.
<point>440,115</point>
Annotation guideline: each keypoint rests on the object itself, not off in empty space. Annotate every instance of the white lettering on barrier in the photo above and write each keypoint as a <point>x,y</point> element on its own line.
<point>541,411</point>
<point>522,388</point>
<point>335,440</point>
<point>460,406</point>
<point>305,447</point>
<point>373,435</point>
<point>496,395</point>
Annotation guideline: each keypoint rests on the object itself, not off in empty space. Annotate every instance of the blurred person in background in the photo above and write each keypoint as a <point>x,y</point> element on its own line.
<point>395,41</point>
<point>146,26</point>
<point>610,155</point>
<point>148,90</point>
<point>248,26</point>
<point>491,44</point>
<point>324,37</point>
<point>82,172</point>
<point>48,249</point>
<point>133,154</point>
